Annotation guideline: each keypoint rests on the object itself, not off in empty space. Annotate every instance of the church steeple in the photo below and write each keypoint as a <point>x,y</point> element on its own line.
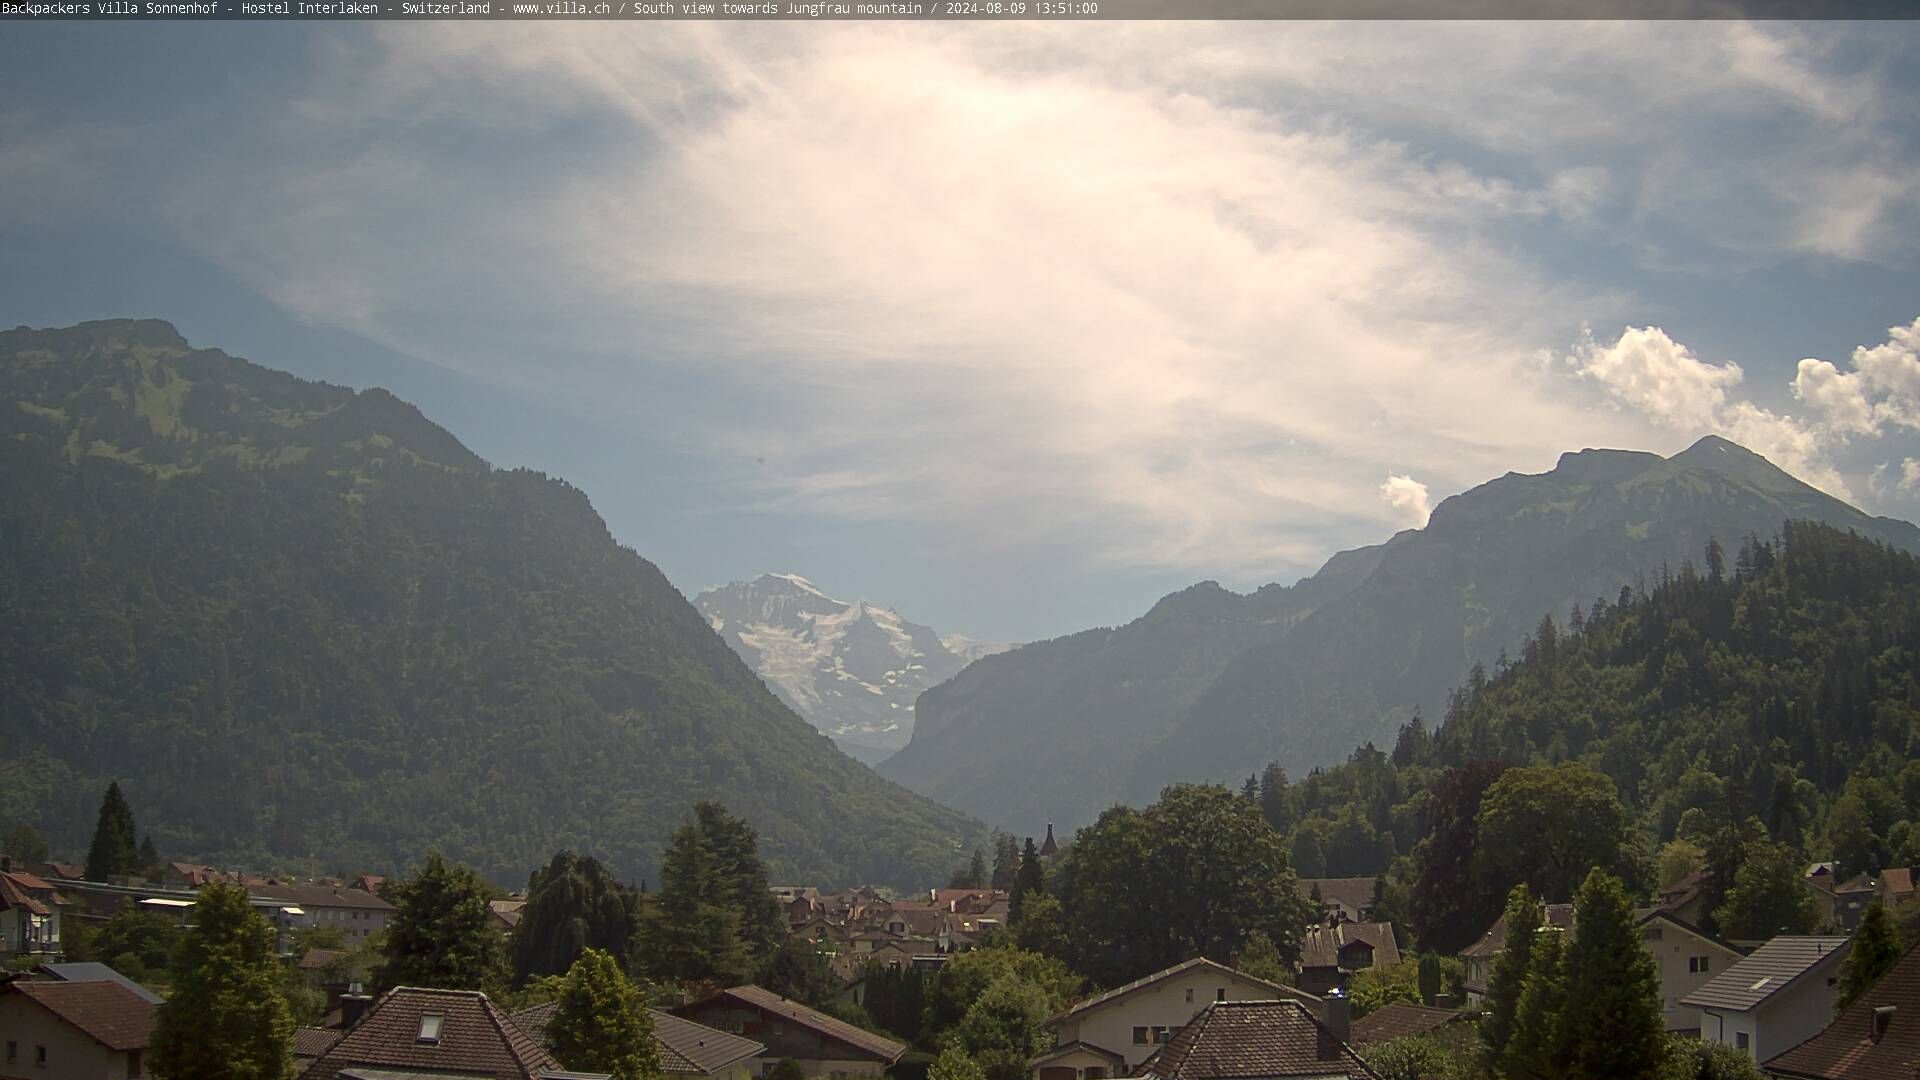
<point>1049,847</point>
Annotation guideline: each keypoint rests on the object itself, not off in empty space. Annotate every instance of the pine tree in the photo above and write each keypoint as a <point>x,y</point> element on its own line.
<point>1006,860</point>
<point>149,855</point>
<point>1510,966</point>
<point>115,850</point>
<point>1875,949</point>
<point>601,1023</point>
<point>1031,880</point>
<point>1611,1021</point>
<point>693,933</point>
<point>1429,978</point>
<point>974,875</point>
<point>1537,1049</point>
<point>225,1019</point>
<point>442,934</point>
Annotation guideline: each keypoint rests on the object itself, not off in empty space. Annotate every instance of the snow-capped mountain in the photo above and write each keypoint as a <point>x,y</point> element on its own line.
<point>853,670</point>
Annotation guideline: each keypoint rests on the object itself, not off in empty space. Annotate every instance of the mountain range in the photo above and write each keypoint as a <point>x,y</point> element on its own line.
<point>853,670</point>
<point>1212,684</point>
<point>307,628</point>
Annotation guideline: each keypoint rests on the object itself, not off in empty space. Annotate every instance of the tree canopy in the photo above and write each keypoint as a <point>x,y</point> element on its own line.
<point>442,934</point>
<point>225,1019</point>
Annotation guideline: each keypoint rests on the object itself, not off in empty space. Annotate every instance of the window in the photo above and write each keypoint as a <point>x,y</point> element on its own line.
<point>429,1029</point>
<point>1740,1040</point>
<point>1139,1036</point>
<point>40,1057</point>
<point>1697,965</point>
<point>1220,994</point>
<point>1189,995</point>
<point>133,1065</point>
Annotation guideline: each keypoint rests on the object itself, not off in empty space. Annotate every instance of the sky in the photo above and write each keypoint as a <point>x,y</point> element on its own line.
<point>1013,328</point>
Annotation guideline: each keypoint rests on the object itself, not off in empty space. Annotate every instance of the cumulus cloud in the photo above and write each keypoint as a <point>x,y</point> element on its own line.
<point>1408,497</point>
<point>1882,389</point>
<point>1647,370</point>
<point>1909,475</point>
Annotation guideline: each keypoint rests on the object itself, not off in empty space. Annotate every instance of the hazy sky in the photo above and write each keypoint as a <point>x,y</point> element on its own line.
<point>1014,328</point>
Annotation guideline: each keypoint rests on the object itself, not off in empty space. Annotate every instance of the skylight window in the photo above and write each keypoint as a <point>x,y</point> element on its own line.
<point>1762,981</point>
<point>430,1028</point>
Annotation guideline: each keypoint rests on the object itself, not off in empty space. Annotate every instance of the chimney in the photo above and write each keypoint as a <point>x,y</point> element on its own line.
<point>1336,1019</point>
<point>353,1006</point>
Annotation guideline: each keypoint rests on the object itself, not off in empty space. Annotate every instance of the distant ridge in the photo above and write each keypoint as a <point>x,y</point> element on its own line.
<point>305,627</point>
<point>1210,685</point>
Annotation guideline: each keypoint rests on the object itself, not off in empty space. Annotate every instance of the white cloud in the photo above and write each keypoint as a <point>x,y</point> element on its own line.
<point>1840,398</point>
<point>1909,475</point>
<point>1408,497</point>
<point>1187,289</point>
<point>1882,389</point>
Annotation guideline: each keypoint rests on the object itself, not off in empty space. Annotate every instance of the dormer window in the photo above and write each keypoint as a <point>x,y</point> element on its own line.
<point>1882,1019</point>
<point>429,1029</point>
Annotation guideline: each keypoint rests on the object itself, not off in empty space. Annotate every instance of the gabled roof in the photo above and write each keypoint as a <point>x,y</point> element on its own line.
<point>323,896</point>
<point>92,972</point>
<point>1076,1046</point>
<point>1495,939</point>
<point>1399,1020</point>
<point>684,1046</point>
<point>687,1047</point>
<point>767,1001</point>
<point>1848,1049</point>
<point>1321,946</point>
<point>1770,969</point>
<point>1231,1040</point>
<point>1353,892</point>
<point>108,1013</point>
<point>1137,985</point>
<point>14,894</point>
<point>476,1039</point>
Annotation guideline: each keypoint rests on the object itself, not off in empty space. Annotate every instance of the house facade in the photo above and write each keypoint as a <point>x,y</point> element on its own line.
<point>29,916</point>
<point>1780,995</point>
<point>1687,958</point>
<point>73,1030</point>
<point>1130,1023</point>
<point>1875,1038</point>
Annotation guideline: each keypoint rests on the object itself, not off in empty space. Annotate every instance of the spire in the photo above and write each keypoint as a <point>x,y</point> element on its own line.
<point>1049,847</point>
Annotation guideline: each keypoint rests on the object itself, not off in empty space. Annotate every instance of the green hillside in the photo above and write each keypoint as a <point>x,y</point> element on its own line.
<point>304,625</point>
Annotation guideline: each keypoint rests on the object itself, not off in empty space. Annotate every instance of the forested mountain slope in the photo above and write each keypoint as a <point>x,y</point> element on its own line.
<point>1302,675</point>
<point>303,624</point>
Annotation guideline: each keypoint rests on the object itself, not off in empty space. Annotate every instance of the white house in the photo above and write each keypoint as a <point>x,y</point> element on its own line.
<point>1774,999</point>
<point>1687,958</point>
<point>1112,1034</point>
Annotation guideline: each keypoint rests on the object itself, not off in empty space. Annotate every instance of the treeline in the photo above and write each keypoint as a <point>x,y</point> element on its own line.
<point>1761,713</point>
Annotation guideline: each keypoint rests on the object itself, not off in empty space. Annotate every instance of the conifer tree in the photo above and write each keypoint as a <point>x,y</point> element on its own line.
<point>601,1023</point>
<point>1509,975</point>
<point>693,933</point>
<point>1006,860</point>
<point>1030,881</point>
<point>149,855</point>
<point>442,934</point>
<point>115,849</point>
<point>225,1019</point>
<point>1536,1050</point>
<point>1611,1021</point>
<point>1875,949</point>
<point>974,875</point>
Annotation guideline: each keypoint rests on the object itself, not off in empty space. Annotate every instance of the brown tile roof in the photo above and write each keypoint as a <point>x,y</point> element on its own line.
<point>1143,983</point>
<point>110,1014</point>
<point>311,1042</point>
<point>1353,892</point>
<point>1247,1039</point>
<point>475,1038</point>
<point>1495,939</point>
<point>684,1046</point>
<point>1321,946</point>
<point>14,894</point>
<point>1848,1049</point>
<point>318,959</point>
<point>1076,1046</point>
<point>687,1047</point>
<point>1755,978</point>
<point>323,896</point>
<point>1399,1020</point>
<point>767,1001</point>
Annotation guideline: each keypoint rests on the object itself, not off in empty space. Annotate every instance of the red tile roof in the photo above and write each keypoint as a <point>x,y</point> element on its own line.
<point>14,894</point>
<point>475,1038</point>
<point>110,1014</point>
<point>767,1001</point>
<point>1848,1049</point>
<point>311,1042</point>
<point>1399,1020</point>
<point>1321,946</point>
<point>1234,1040</point>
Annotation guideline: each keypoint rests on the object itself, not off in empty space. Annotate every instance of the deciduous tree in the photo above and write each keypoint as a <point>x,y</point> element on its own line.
<point>442,933</point>
<point>225,1019</point>
<point>1875,949</point>
<point>601,1022</point>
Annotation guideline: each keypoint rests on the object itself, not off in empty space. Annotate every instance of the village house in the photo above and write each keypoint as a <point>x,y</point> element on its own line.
<point>73,1030</point>
<point>821,1044</point>
<point>356,913</point>
<point>29,915</point>
<point>1341,899</point>
<point>412,1031</point>
<point>1329,955</point>
<point>93,972</point>
<point>1233,1040</point>
<point>1113,1033</point>
<point>1875,1038</point>
<point>1781,994</point>
<point>686,1049</point>
<point>1684,956</point>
